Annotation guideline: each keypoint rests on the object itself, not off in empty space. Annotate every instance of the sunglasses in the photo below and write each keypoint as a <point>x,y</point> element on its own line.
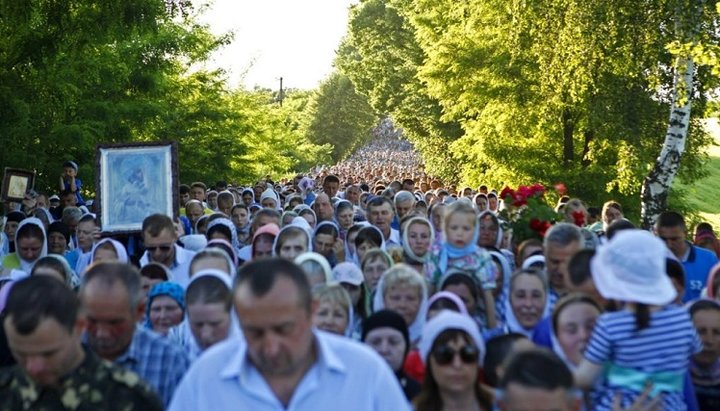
<point>445,355</point>
<point>162,248</point>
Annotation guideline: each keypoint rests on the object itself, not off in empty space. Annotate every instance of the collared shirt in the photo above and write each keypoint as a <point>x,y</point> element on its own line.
<point>156,360</point>
<point>697,263</point>
<point>346,373</point>
<point>94,385</point>
<point>180,269</point>
<point>394,238</point>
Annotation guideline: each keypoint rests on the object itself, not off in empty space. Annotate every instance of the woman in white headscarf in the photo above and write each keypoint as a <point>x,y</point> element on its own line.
<point>417,239</point>
<point>223,226</point>
<point>108,249</point>
<point>402,281</point>
<point>528,303</point>
<point>30,246</point>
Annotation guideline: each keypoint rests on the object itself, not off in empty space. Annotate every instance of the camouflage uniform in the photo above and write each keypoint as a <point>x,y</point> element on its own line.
<point>94,385</point>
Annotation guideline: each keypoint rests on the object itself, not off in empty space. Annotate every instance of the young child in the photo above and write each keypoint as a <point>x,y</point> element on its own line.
<point>70,182</point>
<point>649,341</point>
<point>460,251</point>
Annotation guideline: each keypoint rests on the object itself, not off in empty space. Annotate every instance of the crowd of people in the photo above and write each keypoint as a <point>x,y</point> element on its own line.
<point>366,286</point>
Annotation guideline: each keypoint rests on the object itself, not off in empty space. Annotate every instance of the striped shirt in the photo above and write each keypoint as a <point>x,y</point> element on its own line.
<point>663,348</point>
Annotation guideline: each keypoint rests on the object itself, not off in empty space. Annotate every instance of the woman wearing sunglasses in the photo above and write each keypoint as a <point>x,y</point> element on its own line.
<point>453,349</point>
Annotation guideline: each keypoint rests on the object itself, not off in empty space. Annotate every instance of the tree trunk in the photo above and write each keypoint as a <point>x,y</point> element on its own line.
<point>655,188</point>
<point>568,144</point>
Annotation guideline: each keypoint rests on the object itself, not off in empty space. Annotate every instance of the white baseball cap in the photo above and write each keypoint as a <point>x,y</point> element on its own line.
<point>348,273</point>
<point>631,267</point>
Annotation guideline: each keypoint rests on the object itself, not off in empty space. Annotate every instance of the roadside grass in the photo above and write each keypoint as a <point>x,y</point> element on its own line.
<point>703,195</point>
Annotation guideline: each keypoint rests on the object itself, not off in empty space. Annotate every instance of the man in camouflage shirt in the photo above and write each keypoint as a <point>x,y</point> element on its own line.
<point>55,371</point>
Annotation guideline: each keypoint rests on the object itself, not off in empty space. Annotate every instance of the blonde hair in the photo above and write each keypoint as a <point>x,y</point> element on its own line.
<point>334,294</point>
<point>374,254</point>
<point>396,253</point>
<point>402,274</point>
<point>459,207</point>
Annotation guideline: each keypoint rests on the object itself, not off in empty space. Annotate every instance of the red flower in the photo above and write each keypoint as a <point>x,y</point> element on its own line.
<point>579,218</point>
<point>507,192</point>
<point>519,200</point>
<point>539,226</point>
<point>535,224</point>
<point>546,226</point>
<point>525,191</point>
<point>560,188</point>
<point>537,189</point>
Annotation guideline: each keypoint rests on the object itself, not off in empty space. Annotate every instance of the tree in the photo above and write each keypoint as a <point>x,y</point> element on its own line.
<point>340,116</point>
<point>548,91</point>
<point>381,56</point>
<point>75,73</point>
<point>689,23</point>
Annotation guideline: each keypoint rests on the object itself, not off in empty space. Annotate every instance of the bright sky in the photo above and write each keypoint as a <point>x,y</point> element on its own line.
<point>293,39</point>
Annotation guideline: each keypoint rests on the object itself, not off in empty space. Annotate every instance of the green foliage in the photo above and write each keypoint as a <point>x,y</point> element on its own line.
<point>544,91</point>
<point>75,73</point>
<point>278,144</point>
<point>527,212</point>
<point>340,117</point>
<point>381,56</point>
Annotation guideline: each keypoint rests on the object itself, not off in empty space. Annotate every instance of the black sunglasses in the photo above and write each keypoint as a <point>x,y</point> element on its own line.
<point>163,248</point>
<point>444,355</point>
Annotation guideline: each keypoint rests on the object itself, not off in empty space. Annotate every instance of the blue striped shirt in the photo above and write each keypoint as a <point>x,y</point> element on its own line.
<point>664,347</point>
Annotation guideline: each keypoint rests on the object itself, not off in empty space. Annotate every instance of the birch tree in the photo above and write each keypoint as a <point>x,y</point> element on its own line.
<point>692,42</point>
<point>656,186</point>
<point>546,91</point>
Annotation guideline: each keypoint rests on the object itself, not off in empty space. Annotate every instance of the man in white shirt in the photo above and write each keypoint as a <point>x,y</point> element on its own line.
<point>285,364</point>
<point>159,238</point>
<point>380,213</point>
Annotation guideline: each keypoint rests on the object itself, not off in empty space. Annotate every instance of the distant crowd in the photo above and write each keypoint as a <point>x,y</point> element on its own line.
<point>368,286</point>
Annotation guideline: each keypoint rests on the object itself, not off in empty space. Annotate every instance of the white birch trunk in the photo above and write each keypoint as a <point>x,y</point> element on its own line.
<point>657,184</point>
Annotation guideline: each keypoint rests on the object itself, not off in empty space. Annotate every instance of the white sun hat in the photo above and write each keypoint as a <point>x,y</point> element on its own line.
<point>631,267</point>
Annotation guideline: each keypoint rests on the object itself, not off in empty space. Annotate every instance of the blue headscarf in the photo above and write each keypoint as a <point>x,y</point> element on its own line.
<point>449,251</point>
<point>170,289</point>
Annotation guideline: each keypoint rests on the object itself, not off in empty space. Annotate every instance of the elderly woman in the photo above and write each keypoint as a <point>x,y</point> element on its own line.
<point>334,310</point>
<point>453,350</point>
<point>344,214</point>
<point>165,307</point>
<point>386,332</point>
<point>404,291</point>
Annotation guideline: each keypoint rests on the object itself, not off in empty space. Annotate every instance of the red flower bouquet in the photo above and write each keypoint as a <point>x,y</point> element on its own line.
<point>527,213</point>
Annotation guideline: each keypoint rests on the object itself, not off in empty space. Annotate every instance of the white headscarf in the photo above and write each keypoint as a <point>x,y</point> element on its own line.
<point>511,321</point>
<point>414,329</point>
<point>406,244</point>
<point>293,226</point>
<point>230,226</point>
<point>26,265</point>
<point>270,193</point>
<point>119,250</point>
